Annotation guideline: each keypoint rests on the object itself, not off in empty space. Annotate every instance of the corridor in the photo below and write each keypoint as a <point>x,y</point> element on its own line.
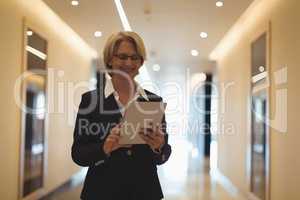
<point>222,74</point>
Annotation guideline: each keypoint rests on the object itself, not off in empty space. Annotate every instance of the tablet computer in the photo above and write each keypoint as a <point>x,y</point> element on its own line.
<point>139,115</point>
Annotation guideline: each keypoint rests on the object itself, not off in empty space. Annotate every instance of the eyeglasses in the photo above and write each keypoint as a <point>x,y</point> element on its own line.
<point>124,57</point>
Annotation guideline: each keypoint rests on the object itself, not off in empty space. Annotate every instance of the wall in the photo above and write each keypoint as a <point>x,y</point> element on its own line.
<point>67,52</point>
<point>233,58</point>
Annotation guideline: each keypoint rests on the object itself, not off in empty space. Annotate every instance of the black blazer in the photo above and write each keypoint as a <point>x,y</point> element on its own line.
<point>125,174</point>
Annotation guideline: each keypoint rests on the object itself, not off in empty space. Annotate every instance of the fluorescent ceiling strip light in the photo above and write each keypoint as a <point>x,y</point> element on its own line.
<point>259,77</point>
<point>36,52</point>
<point>143,72</point>
<point>122,15</point>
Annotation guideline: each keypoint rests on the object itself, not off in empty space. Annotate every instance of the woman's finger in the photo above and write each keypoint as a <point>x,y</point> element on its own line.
<point>125,145</point>
<point>147,130</point>
<point>115,131</point>
<point>157,140</point>
<point>144,137</point>
<point>148,140</point>
<point>158,131</point>
<point>114,136</point>
<point>113,139</point>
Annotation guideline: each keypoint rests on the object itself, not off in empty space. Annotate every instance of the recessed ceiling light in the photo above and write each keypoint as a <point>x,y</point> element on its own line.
<point>194,52</point>
<point>261,68</point>
<point>202,77</point>
<point>156,67</point>
<point>197,79</point>
<point>75,3</point>
<point>203,35</point>
<point>98,34</point>
<point>29,33</point>
<point>219,3</point>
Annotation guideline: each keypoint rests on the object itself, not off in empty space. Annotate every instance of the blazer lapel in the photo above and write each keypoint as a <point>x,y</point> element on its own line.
<point>111,109</point>
<point>142,99</point>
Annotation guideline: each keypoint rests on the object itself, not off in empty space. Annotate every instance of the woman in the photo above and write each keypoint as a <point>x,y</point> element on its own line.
<point>118,172</point>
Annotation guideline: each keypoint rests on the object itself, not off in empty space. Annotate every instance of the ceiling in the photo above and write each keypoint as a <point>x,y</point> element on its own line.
<point>170,28</point>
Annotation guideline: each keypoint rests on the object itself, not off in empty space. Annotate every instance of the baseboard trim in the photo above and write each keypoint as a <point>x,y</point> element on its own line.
<point>229,186</point>
<point>225,182</point>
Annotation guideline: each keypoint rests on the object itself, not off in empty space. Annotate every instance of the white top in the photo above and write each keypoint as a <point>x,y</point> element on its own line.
<point>109,89</point>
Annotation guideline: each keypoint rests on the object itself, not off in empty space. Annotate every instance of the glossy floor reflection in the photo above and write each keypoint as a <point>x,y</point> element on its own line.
<point>186,176</point>
<point>198,184</point>
<point>190,176</point>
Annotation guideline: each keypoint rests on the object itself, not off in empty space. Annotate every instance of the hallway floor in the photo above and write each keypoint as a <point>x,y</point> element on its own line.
<point>190,181</point>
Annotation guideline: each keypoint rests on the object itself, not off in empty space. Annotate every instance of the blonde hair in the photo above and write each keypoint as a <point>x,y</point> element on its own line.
<point>114,41</point>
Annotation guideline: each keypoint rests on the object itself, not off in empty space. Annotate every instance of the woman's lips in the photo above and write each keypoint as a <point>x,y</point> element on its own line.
<point>128,71</point>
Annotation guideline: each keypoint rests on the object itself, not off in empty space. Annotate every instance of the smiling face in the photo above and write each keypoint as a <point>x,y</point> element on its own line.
<point>126,59</point>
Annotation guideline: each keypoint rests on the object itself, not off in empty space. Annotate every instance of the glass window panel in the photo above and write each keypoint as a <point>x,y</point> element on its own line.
<point>34,127</point>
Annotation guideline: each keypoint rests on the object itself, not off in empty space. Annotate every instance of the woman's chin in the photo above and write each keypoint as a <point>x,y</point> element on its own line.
<point>128,76</point>
<point>131,74</point>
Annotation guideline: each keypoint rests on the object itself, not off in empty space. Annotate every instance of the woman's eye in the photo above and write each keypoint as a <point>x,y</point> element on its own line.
<point>123,57</point>
<point>135,57</point>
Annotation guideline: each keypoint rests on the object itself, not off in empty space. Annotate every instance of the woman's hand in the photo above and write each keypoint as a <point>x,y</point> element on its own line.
<point>154,137</point>
<point>112,141</point>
